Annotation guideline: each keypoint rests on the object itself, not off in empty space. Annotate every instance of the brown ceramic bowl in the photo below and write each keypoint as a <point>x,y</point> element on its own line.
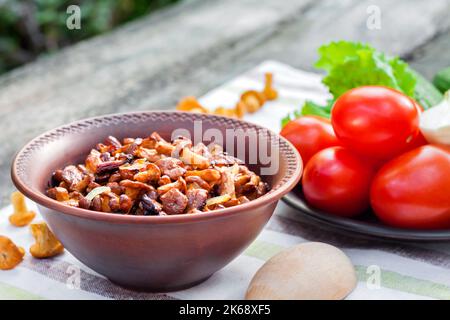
<point>154,253</point>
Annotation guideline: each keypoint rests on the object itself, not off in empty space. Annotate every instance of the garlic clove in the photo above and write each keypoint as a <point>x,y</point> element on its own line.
<point>435,122</point>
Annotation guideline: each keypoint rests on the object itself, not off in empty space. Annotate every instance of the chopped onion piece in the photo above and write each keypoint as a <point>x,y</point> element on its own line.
<point>218,200</point>
<point>96,191</point>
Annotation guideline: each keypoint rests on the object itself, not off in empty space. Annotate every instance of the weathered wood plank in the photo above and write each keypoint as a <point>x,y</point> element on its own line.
<point>189,49</point>
<point>433,56</point>
<point>297,42</point>
<point>101,75</point>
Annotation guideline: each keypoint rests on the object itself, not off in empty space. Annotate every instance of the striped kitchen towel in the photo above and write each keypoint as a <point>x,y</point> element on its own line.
<point>386,270</point>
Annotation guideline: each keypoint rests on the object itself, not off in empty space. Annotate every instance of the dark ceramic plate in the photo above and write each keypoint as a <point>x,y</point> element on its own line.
<point>366,224</point>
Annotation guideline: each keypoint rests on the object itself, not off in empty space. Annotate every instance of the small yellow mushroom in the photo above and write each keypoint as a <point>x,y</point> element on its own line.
<point>180,184</point>
<point>164,147</point>
<point>21,250</point>
<point>241,109</point>
<point>10,254</point>
<point>21,215</point>
<point>191,104</point>
<point>221,111</point>
<point>253,100</point>
<point>46,245</point>
<point>193,159</point>
<point>59,194</point>
<point>198,110</point>
<point>152,174</point>
<point>209,175</point>
<point>269,91</point>
<point>250,101</point>
<point>231,203</point>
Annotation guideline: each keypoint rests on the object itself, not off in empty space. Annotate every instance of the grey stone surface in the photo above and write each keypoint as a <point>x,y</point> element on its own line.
<point>196,45</point>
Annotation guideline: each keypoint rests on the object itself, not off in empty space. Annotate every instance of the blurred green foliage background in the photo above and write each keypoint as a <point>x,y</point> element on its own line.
<point>29,28</point>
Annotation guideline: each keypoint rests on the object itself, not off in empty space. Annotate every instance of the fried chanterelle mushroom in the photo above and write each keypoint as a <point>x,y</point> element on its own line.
<point>153,176</point>
<point>46,245</point>
<point>249,102</point>
<point>10,254</point>
<point>21,215</point>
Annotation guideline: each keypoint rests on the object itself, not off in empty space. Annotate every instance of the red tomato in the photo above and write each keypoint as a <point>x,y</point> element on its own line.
<point>413,190</point>
<point>419,140</point>
<point>337,181</point>
<point>309,135</point>
<point>375,121</point>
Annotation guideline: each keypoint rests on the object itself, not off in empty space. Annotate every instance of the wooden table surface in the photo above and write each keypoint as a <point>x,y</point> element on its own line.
<point>194,46</point>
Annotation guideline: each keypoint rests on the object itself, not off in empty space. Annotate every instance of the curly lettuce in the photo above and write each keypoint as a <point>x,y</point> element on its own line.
<point>352,64</point>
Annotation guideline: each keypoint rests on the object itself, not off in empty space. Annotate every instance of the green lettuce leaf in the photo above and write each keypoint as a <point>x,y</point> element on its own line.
<point>289,117</point>
<point>336,53</point>
<point>312,108</point>
<point>352,64</point>
<point>368,67</point>
<point>309,108</point>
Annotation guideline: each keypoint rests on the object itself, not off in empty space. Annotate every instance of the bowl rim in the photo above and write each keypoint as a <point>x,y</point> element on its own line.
<point>43,200</point>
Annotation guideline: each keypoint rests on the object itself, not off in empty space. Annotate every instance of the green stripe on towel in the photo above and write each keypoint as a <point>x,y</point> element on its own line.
<point>399,282</point>
<point>263,250</point>
<point>8,292</point>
